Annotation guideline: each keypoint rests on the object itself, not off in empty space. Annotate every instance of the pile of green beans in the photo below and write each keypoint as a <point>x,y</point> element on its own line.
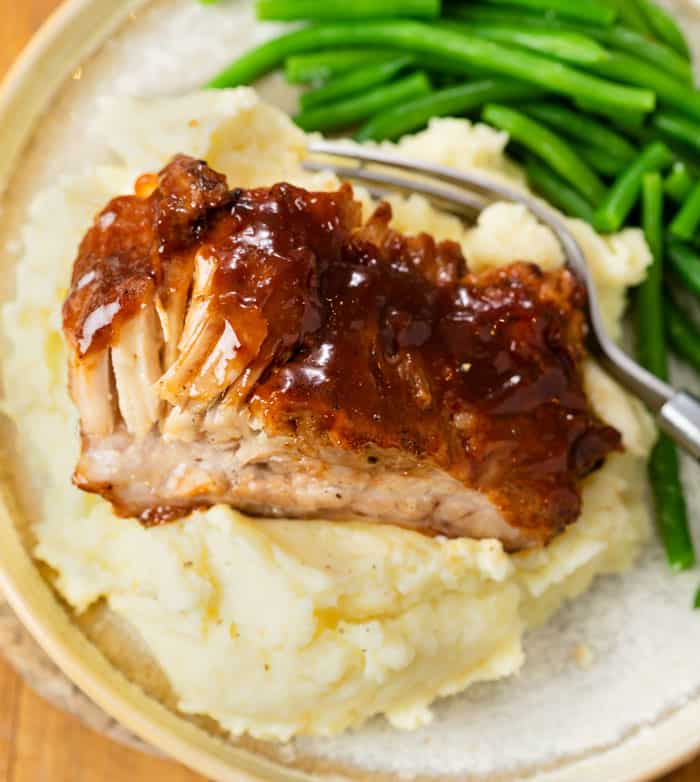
<point>598,101</point>
<point>678,182</point>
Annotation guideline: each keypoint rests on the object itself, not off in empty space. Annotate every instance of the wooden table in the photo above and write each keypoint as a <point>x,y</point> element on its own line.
<point>37,742</point>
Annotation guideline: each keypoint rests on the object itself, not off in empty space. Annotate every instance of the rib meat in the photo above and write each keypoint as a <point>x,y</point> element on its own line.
<point>266,349</point>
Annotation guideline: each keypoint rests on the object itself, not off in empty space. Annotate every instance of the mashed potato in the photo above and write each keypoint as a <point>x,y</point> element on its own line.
<point>278,628</point>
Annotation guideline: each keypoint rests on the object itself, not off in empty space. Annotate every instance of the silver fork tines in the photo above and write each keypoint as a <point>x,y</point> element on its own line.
<point>469,193</point>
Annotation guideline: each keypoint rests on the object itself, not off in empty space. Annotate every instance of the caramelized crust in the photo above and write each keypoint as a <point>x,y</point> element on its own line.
<point>224,318</point>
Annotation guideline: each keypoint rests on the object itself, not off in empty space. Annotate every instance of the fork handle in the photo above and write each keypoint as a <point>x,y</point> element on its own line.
<point>680,419</point>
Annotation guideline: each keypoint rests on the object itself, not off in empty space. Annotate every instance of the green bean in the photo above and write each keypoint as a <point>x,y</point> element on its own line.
<point>483,13</point>
<point>445,65</point>
<point>422,39</point>
<point>678,128</point>
<point>633,70</point>
<point>327,64</point>
<point>354,82</point>
<point>557,191</point>
<point>665,27</point>
<point>683,335</point>
<point>630,123</point>
<point>681,152</point>
<point>651,347</point>
<point>663,57</point>
<point>678,182</point>
<point>671,510</point>
<point>359,107</point>
<point>461,99</point>
<point>684,262</point>
<point>631,16</point>
<point>685,223</point>
<point>321,66</point>
<point>548,146</point>
<point>601,161</point>
<point>582,128</point>
<point>585,10</point>
<point>696,600</point>
<point>687,157</point>
<point>621,197</point>
<point>561,44</point>
<point>290,10</point>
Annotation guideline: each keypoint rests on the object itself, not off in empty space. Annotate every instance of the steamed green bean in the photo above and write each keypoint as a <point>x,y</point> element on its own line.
<point>621,197</point>
<point>683,335</point>
<point>651,345</point>
<point>684,262</point>
<point>461,99</point>
<point>315,10</point>
<point>464,50</point>
<point>601,161</point>
<point>324,65</point>
<point>572,47</point>
<point>587,10</point>
<point>629,123</point>
<point>633,42</point>
<point>547,145</point>
<point>582,128</point>
<point>671,511</point>
<point>660,55</point>
<point>357,108</point>
<point>678,182</point>
<point>630,14</point>
<point>354,82</point>
<point>664,26</point>
<point>685,223</point>
<point>558,192</point>
<point>633,70</point>
<point>678,127</point>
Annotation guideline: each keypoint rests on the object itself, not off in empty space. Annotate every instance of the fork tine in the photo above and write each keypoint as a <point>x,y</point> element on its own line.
<point>461,202</point>
<point>471,180</point>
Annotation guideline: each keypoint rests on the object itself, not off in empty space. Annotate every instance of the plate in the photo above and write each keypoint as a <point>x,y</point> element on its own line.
<point>56,66</point>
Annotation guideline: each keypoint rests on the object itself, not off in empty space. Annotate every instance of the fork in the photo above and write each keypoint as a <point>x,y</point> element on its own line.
<point>467,194</point>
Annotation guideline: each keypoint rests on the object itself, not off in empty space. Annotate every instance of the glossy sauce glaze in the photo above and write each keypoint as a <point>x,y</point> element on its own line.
<point>355,337</point>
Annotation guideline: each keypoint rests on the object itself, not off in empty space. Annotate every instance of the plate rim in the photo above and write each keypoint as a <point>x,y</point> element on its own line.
<point>67,37</point>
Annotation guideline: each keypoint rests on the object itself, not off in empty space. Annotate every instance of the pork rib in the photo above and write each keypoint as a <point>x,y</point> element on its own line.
<point>266,349</point>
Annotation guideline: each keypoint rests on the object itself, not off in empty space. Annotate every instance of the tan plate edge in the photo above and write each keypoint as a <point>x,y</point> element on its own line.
<point>70,34</point>
<point>38,609</point>
<point>65,39</point>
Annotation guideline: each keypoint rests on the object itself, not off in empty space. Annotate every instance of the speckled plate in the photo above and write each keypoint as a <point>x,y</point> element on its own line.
<point>639,709</point>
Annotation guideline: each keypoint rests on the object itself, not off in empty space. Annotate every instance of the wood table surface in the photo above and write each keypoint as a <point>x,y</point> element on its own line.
<point>39,743</point>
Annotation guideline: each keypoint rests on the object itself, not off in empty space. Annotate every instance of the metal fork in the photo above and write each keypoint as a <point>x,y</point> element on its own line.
<point>677,412</point>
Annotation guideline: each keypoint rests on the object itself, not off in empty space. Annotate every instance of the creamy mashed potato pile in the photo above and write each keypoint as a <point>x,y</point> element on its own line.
<point>278,628</point>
